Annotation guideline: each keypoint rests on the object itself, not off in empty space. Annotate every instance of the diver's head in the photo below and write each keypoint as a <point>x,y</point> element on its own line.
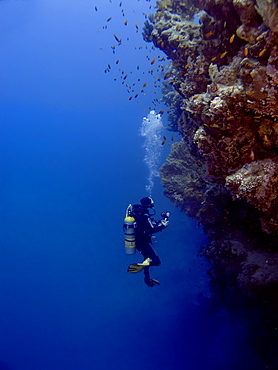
<point>147,202</point>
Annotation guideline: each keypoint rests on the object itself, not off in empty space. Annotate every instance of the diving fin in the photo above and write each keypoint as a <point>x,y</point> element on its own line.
<point>137,267</point>
<point>152,282</point>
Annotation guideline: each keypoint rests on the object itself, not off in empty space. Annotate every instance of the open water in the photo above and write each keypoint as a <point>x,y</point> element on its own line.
<point>71,160</point>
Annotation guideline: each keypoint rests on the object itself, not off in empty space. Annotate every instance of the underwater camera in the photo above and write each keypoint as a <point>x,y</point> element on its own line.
<point>165,215</point>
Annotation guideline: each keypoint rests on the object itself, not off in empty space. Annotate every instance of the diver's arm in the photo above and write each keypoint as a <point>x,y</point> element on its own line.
<point>152,228</point>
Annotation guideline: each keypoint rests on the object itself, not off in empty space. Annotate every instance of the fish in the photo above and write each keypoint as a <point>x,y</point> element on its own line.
<point>223,54</point>
<point>261,53</point>
<point>251,93</point>
<point>96,8</point>
<point>167,75</point>
<point>163,142</point>
<point>245,52</point>
<point>152,62</point>
<point>161,111</point>
<point>108,19</point>
<point>117,61</point>
<point>208,34</point>
<point>118,39</point>
<point>232,38</point>
<point>144,84</point>
<point>125,22</point>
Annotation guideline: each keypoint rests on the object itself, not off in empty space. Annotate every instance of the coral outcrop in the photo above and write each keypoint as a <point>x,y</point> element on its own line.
<point>224,172</point>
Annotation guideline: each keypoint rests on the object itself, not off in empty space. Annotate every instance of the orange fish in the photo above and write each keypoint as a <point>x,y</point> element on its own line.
<point>207,35</point>
<point>261,53</point>
<point>245,51</point>
<point>232,38</point>
<point>167,75</point>
<point>152,62</point>
<point>144,84</point>
<point>223,54</point>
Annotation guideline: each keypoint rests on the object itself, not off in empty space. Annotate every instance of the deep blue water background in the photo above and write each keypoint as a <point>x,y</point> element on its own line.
<point>71,160</point>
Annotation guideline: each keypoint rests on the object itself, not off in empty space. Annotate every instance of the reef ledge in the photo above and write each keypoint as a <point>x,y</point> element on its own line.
<point>224,171</point>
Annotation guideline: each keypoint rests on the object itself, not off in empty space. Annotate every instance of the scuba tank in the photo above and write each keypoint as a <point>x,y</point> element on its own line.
<point>129,231</point>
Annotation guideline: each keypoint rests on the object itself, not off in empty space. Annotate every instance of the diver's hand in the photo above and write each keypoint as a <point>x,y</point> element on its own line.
<point>165,223</point>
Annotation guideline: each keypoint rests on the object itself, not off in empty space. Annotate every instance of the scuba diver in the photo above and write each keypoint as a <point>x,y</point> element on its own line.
<point>139,228</point>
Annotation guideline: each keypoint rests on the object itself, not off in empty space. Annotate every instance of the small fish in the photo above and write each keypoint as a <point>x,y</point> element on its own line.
<point>223,54</point>
<point>207,35</point>
<point>130,98</point>
<point>245,52</point>
<point>152,62</point>
<point>251,93</point>
<point>96,8</point>
<point>261,53</point>
<point>232,38</point>
<point>125,22</point>
<point>137,27</point>
<point>118,39</point>
<point>161,112</point>
<point>196,96</point>
<point>164,137</point>
<point>144,84</point>
<point>163,142</point>
<point>117,61</point>
<point>108,19</point>
<point>252,155</point>
<point>212,59</point>
<point>167,75</point>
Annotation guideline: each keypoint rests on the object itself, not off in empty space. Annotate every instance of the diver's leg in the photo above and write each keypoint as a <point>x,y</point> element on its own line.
<point>149,252</point>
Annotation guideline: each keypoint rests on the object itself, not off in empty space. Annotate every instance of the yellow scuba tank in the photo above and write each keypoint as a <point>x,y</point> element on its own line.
<point>129,232</point>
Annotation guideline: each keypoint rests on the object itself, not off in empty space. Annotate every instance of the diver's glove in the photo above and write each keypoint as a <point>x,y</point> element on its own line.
<point>151,282</point>
<point>165,223</point>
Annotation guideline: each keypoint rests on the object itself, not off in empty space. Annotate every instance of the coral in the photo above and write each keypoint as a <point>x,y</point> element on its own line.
<point>257,182</point>
<point>222,90</point>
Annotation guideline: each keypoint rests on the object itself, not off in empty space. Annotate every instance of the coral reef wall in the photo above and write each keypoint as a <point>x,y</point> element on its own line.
<point>224,68</point>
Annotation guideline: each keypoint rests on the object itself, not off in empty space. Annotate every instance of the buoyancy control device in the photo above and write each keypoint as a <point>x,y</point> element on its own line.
<point>129,231</point>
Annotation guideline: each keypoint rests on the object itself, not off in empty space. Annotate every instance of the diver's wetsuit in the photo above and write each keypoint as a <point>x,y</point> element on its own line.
<point>143,235</point>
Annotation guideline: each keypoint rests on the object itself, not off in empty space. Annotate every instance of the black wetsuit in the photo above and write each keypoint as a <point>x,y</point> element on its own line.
<point>143,235</point>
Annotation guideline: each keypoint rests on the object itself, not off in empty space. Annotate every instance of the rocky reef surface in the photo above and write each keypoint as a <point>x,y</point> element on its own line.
<point>222,90</point>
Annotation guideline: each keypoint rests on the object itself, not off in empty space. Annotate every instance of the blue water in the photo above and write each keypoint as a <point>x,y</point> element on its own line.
<point>71,160</point>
